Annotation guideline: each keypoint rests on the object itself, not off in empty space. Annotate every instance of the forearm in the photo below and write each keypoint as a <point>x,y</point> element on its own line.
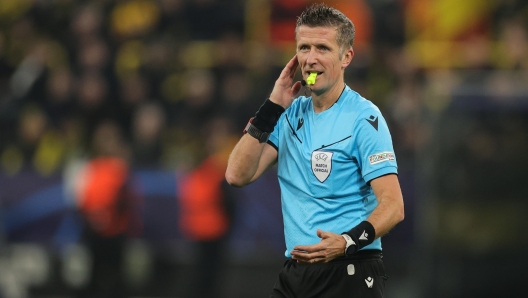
<point>387,214</point>
<point>247,161</point>
<point>250,158</point>
<point>244,161</point>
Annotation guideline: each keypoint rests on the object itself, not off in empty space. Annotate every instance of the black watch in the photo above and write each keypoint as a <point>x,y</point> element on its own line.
<point>261,136</point>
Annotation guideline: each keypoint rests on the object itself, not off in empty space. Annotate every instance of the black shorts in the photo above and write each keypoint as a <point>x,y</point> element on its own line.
<point>359,276</point>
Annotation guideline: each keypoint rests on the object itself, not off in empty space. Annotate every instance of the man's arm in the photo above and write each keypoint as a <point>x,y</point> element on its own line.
<point>385,216</point>
<point>249,160</point>
<point>389,211</point>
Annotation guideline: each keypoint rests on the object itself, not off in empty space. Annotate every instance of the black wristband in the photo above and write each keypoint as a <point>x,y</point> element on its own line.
<point>363,234</point>
<point>267,116</point>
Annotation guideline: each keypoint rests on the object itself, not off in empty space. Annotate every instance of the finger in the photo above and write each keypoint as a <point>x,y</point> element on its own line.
<point>305,258</point>
<point>308,248</point>
<point>302,254</point>
<point>304,261</point>
<point>310,261</point>
<point>296,88</point>
<point>313,247</point>
<point>320,233</point>
<point>293,68</point>
<point>290,68</point>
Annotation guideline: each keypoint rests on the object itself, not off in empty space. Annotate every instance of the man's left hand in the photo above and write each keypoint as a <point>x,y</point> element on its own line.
<point>330,247</point>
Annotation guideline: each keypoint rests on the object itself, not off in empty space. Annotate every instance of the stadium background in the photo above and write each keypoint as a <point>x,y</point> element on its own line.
<point>450,76</point>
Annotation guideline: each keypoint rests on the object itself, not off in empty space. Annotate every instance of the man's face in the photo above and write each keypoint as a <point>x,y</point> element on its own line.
<point>318,51</point>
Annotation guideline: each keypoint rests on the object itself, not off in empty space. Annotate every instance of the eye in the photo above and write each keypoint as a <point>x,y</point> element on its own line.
<point>303,48</point>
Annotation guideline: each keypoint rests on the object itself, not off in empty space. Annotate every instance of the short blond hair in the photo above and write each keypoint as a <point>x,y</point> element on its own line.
<point>320,15</point>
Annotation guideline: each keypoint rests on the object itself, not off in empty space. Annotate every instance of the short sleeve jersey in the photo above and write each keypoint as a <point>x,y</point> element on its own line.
<point>325,163</point>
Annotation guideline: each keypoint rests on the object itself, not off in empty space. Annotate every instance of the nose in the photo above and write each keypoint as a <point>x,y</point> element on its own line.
<point>312,57</point>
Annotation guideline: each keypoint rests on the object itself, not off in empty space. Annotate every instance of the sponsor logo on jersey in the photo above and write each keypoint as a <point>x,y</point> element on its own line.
<point>322,164</point>
<point>381,157</point>
<point>300,123</point>
<point>373,121</point>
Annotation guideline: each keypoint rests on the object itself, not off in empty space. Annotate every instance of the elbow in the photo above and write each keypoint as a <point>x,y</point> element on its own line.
<point>235,180</point>
<point>401,213</point>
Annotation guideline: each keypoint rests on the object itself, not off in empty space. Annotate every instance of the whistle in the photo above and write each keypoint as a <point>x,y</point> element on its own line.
<point>311,78</point>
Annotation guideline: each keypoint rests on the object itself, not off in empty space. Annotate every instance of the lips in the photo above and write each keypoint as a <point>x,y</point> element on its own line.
<point>307,74</point>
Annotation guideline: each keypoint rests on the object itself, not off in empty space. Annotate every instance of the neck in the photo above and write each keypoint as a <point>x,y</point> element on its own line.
<point>323,101</point>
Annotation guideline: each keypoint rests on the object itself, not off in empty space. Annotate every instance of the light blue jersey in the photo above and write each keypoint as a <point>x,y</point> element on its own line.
<point>325,162</point>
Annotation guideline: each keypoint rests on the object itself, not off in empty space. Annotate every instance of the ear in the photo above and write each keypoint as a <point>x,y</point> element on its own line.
<point>347,58</point>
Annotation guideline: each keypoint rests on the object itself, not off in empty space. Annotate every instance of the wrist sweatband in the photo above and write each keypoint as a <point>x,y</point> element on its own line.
<point>363,234</point>
<point>267,116</point>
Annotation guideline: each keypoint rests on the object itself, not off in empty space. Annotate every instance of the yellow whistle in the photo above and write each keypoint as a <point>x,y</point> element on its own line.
<point>311,78</point>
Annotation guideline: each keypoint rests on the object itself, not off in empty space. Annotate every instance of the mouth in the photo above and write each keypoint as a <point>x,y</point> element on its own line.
<point>307,73</point>
<point>312,77</point>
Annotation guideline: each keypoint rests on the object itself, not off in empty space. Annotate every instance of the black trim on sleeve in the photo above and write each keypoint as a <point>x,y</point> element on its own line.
<point>273,145</point>
<point>368,182</point>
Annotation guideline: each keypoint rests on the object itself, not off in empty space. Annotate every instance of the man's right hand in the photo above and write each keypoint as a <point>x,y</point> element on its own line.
<point>283,92</point>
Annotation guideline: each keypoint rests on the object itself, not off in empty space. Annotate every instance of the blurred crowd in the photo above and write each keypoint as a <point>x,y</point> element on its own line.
<point>169,84</point>
<point>138,79</point>
<point>143,78</point>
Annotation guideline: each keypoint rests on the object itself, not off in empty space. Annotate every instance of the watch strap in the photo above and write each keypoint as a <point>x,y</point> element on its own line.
<point>253,131</point>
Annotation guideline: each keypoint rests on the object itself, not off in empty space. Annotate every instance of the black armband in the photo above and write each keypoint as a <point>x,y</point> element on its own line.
<point>362,235</point>
<point>267,116</point>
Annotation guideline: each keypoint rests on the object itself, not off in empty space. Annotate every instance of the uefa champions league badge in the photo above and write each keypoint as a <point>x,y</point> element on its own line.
<point>322,164</point>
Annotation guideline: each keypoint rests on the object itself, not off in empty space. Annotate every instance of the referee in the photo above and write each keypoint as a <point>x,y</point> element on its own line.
<point>336,167</point>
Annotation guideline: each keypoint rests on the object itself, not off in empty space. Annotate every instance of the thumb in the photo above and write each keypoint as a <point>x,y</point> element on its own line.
<point>320,233</point>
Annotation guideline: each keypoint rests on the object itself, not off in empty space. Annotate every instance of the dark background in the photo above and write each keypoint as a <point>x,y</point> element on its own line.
<point>450,77</point>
